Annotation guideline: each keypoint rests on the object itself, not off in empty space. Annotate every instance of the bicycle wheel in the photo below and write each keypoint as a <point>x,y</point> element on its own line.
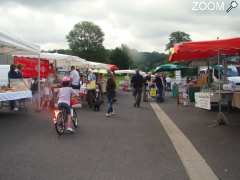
<point>75,119</point>
<point>60,123</point>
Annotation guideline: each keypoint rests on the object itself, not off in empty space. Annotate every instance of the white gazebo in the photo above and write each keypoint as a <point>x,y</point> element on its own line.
<point>13,46</point>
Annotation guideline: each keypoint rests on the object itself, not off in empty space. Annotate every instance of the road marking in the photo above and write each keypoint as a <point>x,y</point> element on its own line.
<point>194,164</point>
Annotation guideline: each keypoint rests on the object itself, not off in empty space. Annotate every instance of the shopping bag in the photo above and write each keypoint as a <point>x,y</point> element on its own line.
<point>91,85</point>
<point>153,92</point>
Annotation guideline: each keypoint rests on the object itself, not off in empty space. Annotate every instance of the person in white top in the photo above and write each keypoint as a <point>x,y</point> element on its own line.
<point>168,81</point>
<point>64,100</point>
<point>75,77</point>
<point>46,96</point>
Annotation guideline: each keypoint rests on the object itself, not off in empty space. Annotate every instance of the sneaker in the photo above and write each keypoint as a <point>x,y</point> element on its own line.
<point>113,113</point>
<point>108,115</point>
<point>70,130</point>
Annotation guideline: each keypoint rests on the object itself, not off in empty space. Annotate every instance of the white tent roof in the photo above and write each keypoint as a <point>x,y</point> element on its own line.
<point>129,71</point>
<point>57,56</point>
<point>10,45</point>
<point>96,65</point>
<point>61,59</point>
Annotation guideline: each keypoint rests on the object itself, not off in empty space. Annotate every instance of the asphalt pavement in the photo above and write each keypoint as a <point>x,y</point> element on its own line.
<point>129,146</point>
<point>219,145</point>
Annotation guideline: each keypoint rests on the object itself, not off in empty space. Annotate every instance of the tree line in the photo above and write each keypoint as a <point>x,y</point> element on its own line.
<point>86,41</point>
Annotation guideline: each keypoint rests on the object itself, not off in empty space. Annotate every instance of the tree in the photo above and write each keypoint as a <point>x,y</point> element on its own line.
<point>177,37</point>
<point>86,40</point>
<point>147,61</point>
<point>120,57</point>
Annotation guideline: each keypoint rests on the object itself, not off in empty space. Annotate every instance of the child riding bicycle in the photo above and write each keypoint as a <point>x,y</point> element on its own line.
<point>64,100</point>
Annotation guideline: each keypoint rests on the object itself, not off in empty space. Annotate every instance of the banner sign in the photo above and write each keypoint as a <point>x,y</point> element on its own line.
<point>30,67</point>
<point>203,100</point>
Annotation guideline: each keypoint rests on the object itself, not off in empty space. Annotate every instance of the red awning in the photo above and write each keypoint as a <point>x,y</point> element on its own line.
<point>189,51</point>
<point>30,67</point>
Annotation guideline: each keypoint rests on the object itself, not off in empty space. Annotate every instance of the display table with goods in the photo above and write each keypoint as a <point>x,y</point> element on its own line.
<point>19,91</point>
<point>207,99</point>
<point>183,97</point>
<point>11,94</point>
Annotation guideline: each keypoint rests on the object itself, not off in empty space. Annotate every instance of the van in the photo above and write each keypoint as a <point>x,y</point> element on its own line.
<point>233,74</point>
<point>4,69</point>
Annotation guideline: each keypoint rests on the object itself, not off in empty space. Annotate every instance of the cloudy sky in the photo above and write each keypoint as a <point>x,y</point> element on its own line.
<point>141,24</point>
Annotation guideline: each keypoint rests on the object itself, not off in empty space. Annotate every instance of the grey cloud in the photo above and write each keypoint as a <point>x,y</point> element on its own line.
<point>35,3</point>
<point>148,22</point>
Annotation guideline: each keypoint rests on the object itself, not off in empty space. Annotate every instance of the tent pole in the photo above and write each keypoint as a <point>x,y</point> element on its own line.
<point>39,78</point>
<point>219,84</point>
<point>221,119</point>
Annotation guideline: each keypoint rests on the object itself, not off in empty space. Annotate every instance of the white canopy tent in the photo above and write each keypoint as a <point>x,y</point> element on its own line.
<point>61,60</point>
<point>129,71</point>
<point>96,65</point>
<point>9,45</point>
<point>65,60</point>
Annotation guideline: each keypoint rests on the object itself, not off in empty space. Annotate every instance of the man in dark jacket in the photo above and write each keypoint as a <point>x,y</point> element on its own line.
<point>160,86</point>
<point>110,88</point>
<point>137,84</point>
<point>12,74</point>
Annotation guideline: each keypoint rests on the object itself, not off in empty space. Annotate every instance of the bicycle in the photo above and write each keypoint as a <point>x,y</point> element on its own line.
<point>61,117</point>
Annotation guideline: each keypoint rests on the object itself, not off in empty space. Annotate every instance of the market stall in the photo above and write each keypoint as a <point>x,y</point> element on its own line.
<point>223,89</point>
<point>125,82</point>
<point>18,88</point>
<point>97,65</point>
<point>168,68</point>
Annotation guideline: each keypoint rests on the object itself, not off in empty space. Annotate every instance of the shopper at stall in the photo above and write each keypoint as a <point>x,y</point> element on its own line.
<point>91,87</point>
<point>47,95</point>
<point>168,83</point>
<point>98,98</point>
<point>75,78</point>
<point>12,74</point>
<point>160,85</point>
<point>18,70</point>
<point>137,84</point>
<point>35,93</point>
<point>110,88</point>
<point>147,81</point>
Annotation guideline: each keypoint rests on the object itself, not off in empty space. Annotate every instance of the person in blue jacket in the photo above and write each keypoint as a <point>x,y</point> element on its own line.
<point>13,74</point>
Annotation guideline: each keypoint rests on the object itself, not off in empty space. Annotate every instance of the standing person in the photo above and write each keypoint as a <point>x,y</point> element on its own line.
<point>168,83</point>
<point>160,86</point>
<point>75,77</point>
<point>91,87</point>
<point>163,76</point>
<point>110,88</point>
<point>147,81</point>
<point>12,74</point>
<point>137,83</point>
<point>35,94</point>
<point>47,95</point>
<point>18,70</point>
